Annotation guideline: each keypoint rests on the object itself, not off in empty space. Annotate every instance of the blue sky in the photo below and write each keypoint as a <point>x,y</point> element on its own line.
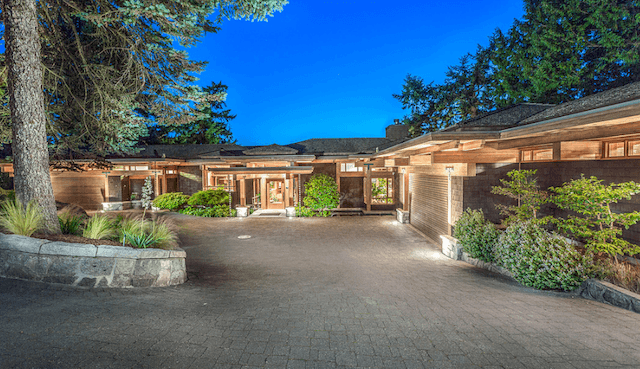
<point>325,69</point>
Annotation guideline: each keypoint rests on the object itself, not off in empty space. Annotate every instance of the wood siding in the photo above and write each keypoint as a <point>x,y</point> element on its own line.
<point>88,192</point>
<point>429,206</point>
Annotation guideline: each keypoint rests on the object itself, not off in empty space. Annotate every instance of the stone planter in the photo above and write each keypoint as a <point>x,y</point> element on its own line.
<point>451,247</point>
<point>242,211</point>
<point>136,204</point>
<point>402,216</point>
<point>85,265</point>
<point>290,211</point>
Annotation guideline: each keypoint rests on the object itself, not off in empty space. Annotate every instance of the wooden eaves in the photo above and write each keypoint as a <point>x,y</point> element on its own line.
<point>261,170</point>
<point>571,134</point>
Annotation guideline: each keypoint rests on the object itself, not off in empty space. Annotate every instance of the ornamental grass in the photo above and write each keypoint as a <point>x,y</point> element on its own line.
<point>19,219</point>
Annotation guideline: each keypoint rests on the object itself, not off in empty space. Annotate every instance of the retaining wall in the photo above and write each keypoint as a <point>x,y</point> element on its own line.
<point>85,265</point>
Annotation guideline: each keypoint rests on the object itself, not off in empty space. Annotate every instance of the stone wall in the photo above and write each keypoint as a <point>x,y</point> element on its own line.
<point>85,265</point>
<point>477,190</point>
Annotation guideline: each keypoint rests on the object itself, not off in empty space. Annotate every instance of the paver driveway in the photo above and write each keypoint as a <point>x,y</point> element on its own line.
<point>301,293</point>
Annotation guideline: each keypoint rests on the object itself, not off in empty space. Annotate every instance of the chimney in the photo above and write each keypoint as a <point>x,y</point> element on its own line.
<point>397,131</point>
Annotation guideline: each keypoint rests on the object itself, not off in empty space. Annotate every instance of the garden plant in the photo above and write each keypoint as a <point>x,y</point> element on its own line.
<point>523,188</point>
<point>321,195</point>
<point>476,234</point>
<point>542,259</point>
<point>596,223</point>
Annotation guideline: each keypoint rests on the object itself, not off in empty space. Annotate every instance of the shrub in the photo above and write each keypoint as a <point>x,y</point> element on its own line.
<point>147,191</point>
<point>19,219</point>
<point>7,194</point>
<point>303,211</point>
<point>523,188</point>
<point>218,211</point>
<point>477,235</point>
<point>321,193</point>
<point>99,227</point>
<point>209,198</point>
<point>539,259</point>
<point>171,200</point>
<point>597,225</point>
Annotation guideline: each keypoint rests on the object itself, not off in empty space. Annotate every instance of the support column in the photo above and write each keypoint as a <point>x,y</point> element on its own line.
<point>205,177</point>
<point>243,192</point>
<point>286,191</point>
<point>264,195</point>
<point>164,181</point>
<point>106,188</point>
<point>156,185</point>
<point>367,188</point>
<point>405,193</point>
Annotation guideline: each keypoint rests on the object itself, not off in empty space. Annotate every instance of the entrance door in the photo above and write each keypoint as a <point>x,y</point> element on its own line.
<point>276,193</point>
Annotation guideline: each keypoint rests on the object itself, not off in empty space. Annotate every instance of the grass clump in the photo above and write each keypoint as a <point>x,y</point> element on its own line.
<point>19,219</point>
<point>144,233</point>
<point>71,221</point>
<point>99,227</point>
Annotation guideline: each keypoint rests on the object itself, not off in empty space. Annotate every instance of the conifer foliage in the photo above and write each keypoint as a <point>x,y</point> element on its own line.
<point>560,51</point>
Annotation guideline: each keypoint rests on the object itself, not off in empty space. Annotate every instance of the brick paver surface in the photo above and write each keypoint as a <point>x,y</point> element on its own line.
<point>313,293</point>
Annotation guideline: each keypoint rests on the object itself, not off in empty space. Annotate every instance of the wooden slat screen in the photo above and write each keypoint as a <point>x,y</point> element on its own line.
<point>88,192</point>
<point>429,204</point>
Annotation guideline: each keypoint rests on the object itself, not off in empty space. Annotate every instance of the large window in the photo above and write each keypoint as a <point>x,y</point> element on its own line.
<point>381,191</point>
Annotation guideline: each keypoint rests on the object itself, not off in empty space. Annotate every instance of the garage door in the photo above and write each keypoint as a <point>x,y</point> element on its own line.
<point>429,207</point>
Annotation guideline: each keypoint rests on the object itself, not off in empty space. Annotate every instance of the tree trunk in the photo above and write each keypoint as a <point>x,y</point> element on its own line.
<point>26,101</point>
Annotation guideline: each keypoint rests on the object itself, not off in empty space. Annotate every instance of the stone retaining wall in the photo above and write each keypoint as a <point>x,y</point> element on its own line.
<point>85,265</point>
<point>608,293</point>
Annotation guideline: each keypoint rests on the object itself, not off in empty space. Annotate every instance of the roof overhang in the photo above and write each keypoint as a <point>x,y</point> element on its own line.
<point>261,170</point>
<point>610,121</point>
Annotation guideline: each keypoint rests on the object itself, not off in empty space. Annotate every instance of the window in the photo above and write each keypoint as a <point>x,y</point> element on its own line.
<point>615,149</point>
<point>140,167</point>
<point>537,154</point>
<point>543,154</point>
<point>170,171</point>
<point>381,191</point>
<point>350,167</point>
<point>634,148</point>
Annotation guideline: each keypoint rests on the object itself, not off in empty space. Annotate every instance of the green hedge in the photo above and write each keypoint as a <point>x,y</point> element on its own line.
<point>540,259</point>
<point>170,200</point>
<point>477,235</point>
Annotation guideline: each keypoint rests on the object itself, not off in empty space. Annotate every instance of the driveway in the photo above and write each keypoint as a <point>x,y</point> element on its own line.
<point>313,293</point>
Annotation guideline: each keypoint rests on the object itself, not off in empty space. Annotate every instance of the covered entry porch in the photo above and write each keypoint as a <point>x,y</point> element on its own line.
<point>263,187</point>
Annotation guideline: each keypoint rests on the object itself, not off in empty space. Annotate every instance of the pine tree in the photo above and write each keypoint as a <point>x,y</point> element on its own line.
<point>211,127</point>
<point>108,68</point>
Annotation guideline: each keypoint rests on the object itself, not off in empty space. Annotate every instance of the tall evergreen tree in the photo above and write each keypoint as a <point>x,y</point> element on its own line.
<point>465,93</point>
<point>211,126</point>
<point>30,155</point>
<point>109,67</point>
<point>567,49</point>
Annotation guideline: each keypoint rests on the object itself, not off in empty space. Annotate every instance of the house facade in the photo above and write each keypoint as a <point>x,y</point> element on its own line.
<point>269,177</point>
<point>432,178</point>
<point>454,169</point>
